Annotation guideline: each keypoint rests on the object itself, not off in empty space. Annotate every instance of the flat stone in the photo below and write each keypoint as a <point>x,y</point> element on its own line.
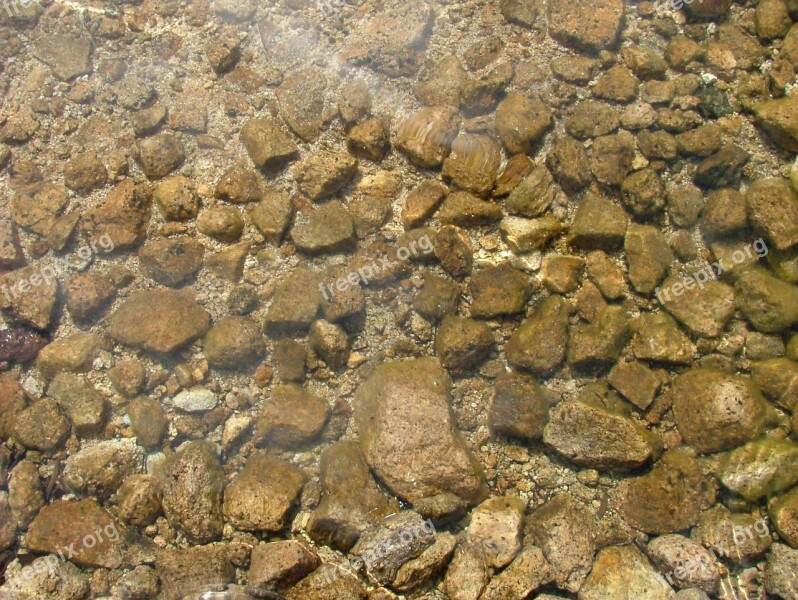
<point>473,163</point>
<point>301,98</point>
<point>778,119</point>
<point>519,408</point>
<point>329,228</point>
<point>593,25</point>
<point>495,527</point>
<point>80,400</point>
<point>42,426</point>
<point>760,468</point>
<point>648,255</point>
<point>269,146</point>
<point>462,344</point>
<point>295,303</point>
<point>291,418</point>
<point>704,309</point>
<point>324,173</point>
<point>620,570</point>
<point>160,154</point>
<point>174,320</point>
<point>524,575</point>
<point>123,217</point>
<point>498,290</point>
<point>272,214</point>
<point>99,470</point>
<point>599,224</point>
<point>195,400</point>
<point>67,56</point>
<point>171,262</point>
<point>770,304</point>
<point>28,303</point>
<point>658,338</point>
<point>534,195</point>
<point>539,344</point>
<point>773,210</point>
<point>422,202</point>
<point>466,210</point>
<point>281,564</point>
<point>234,342</point>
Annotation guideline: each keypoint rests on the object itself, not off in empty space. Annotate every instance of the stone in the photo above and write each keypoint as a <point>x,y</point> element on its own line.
<point>708,9</point>
<point>330,342</point>
<point>781,571</point>
<point>295,302</point>
<point>438,297</point>
<point>85,173</point>
<point>524,575</point>
<point>601,342</point>
<point>427,565</point>
<point>41,426</point>
<point>80,400</point>
<point>443,84</point>
<point>635,382</point>
<point>100,469</point>
<point>422,202</point>
<point>642,193</point>
<point>685,203</point>
<point>704,309</point>
<point>174,320</point>
<point>88,295</point>
<point>301,100</point>
<point>195,400</point>
<point>370,139</point>
<point>11,255</point>
<point>648,255</point>
<point>223,223</point>
<point>620,570</point>
<point>269,146</point>
<point>591,26</point>
<point>498,290</point>
<point>354,102</point>
<point>658,338</point>
<point>341,517</point>
<point>12,402</point>
<point>715,411</point>
<point>564,529</point>
<point>329,228</point>
<point>561,274</point>
<point>461,344</point>
<point>569,164</point>
<point>540,342</point>
<point>426,137</point>
<point>177,198</point>
<point>192,499</point>
<point>773,209</point>
<point>467,575</point>
<point>281,564</point>
<point>723,168</point>
<point>291,418</point>
<point>405,424</point>
<point>148,421</point>
<point>453,249</point>
<point>233,343</point>
<point>25,494</point>
<point>732,537</point>
<point>783,510</point>
<point>607,439</point>
<point>261,496</point>
<point>123,216</point>
<point>328,583</point>
<point>612,157</point>
<point>159,155</point>
<point>591,119</point>
<point>74,353</point>
<point>599,223</point>
<point>514,170</point>
<point>521,122</point>
<point>527,235</point>
<point>519,408</point>
<point>657,145</point>
<point>760,468</point>
<point>495,528</point>
<point>228,263</point>
<point>68,57</point>
<point>778,119</point>
<point>65,523</point>
<point>34,306</point>
<point>37,207</point>
<point>691,563</point>
<point>324,173</point>
<point>171,262</point>
<point>63,578</point>
<point>725,213</point>
<point>606,275</point>
<point>770,304</point>
<point>534,195</point>
<point>139,499</point>
<point>473,163</point>
<point>373,204</point>
<point>464,209</point>
<point>181,569</point>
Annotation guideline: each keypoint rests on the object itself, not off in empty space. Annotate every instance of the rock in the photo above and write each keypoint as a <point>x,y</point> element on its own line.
<point>453,249</point>
<point>139,499</point>
<point>74,353</point>
<point>462,344</point>
<point>561,274</point>
<point>148,421</point>
<point>443,84</point>
<point>539,344</point>
<point>657,145</point>
<point>612,158</point>
<point>426,137</point>
<point>177,198</point>
<point>599,224</point>
<point>482,93</point>
<point>281,564</point>
<point>328,228</point>
<point>668,498</point>
<point>41,426</point>
<point>328,583</point>
<point>141,582</point>
<point>636,382</point>
<point>223,223</point>
<point>601,342</point>
<point>195,400</point>
<point>701,141</point>
<point>171,262</point>
<point>325,173</point>
<point>617,84</point>
<point>174,320</point>
<point>85,173</point>
<point>473,163</point>
<point>373,204</point>
<point>341,517</point>
<point>261,496</point>
<point>8,529</point>
<point>228,263</point>
<point>10,253</point>
<point>534,195</point>
<point>685,203</point>
<point>25,495</point>
<point>37,207</point>
<point>704,310</point>
<point>606,275</point>
<point>648,255</point>
<point>620,570</point>
<point>783,511</point>
<point>590,119</point>
<point>642,193</point>
<point>288,357</point>
<point>233,342</point>
<point>568,546</point>
<point>301,101</point>
<point>393,39</point>
<point>385,546</point>
<point>607,439</point>
<point>427,565</point>
<point>733,537</point>
<point>495,528</point>
<point>467,575</point>
<point>498,290</point>
<point>399,411</point>
<point>370,139</point>
<point>29,297</point>
<point>269,146</point>
<point>525,574</point>
<point>100,469</point>
<point>295,303</point>
<point>773,209</point>
<point>80,400</point>
<point>41,579</point>
<point>592,26</point>
<point>723,168</point>
<point>239,184</point>
<point>708,9</point>
<point>521,122</point>
<point>777,118</point>
<point>123,216</point>
<point>12,402</point>
<point>66,523</point>
<point>68,57</point>
<point>181,569</point>
<point>691,564</point>
<point>781,572</point>
<point>526,235</point>
<point>192,499</point>
<point>520,407</point>
<point>330,342</point>
<point>291,418</point>
<point>148,120</point>
<point>770,304</point>
<point>466,210</point>
<point>88,295</point>
<point>569,164</point>
<point>159,155</point>
<point>422,202</point>
<point>658,338</point>
<point>760,468</point>
<point>437,298</point>
<point>354,102</point>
